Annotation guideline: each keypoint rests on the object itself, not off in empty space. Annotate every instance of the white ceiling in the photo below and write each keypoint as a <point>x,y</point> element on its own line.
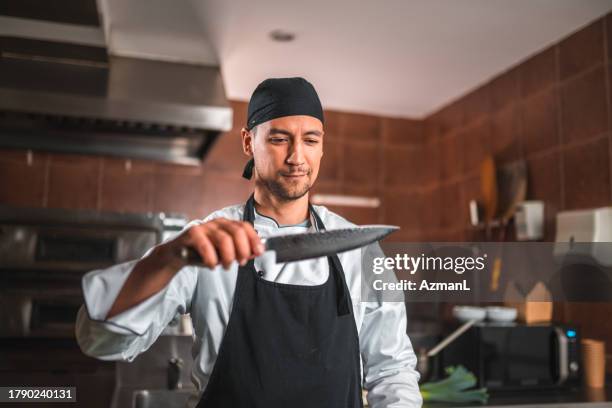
<point>402,58</point>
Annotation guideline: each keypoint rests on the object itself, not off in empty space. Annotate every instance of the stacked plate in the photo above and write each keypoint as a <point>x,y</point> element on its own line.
<point>491,313</point>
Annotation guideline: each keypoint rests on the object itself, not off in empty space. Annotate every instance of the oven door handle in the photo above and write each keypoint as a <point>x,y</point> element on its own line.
<point>562,355</point>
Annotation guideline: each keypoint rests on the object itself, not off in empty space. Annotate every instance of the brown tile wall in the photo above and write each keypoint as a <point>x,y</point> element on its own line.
<point>553,110</point>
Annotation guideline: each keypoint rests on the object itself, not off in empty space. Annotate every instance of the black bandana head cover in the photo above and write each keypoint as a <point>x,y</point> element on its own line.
<point>279,97</point>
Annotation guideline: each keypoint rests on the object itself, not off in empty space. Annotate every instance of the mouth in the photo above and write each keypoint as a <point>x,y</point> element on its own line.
<point>294,175</point>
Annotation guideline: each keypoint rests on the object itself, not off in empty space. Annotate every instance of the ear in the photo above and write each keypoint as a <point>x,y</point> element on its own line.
<point>247,142</point>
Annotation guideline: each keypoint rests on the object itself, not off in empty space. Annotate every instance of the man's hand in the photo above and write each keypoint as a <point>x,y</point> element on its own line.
<point>216,241</point>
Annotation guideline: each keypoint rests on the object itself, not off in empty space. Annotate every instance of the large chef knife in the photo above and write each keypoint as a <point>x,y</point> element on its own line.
<point>297,247</point>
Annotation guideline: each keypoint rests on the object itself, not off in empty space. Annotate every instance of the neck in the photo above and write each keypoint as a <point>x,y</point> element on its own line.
<point>284,212</point>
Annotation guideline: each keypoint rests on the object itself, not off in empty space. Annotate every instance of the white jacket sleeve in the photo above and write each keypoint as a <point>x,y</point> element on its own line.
<point>389,361</point>
<point>124,336</point>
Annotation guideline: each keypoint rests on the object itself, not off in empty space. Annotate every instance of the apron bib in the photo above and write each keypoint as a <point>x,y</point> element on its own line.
<point>287,345</point>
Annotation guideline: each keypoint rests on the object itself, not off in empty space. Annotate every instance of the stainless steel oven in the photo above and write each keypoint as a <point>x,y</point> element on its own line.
<point>43,255</point>
<point>45,252</point>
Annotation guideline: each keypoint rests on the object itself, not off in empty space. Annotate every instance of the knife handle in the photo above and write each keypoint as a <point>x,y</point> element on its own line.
<point>192,257</point>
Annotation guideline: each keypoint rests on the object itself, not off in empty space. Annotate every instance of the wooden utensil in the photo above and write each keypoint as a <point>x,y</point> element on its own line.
<point>512,188</point>
<point>488,189</point>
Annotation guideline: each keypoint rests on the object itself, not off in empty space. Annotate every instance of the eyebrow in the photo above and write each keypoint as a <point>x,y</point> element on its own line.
<point>274,131</point>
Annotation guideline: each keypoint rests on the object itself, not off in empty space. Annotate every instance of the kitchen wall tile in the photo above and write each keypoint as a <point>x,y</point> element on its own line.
<point>431,128</point>
<point>333,125</point>
<point>432,163</point>
<point>363,190</point>
<point>608,74</point>
<point>544,178</point>
<point>582,50</point>
<point>404,167</point>
<point>403,236</point>
<point>430,209</point>
<point>361,163</point>
<point>179,189</point>
<point>540,121</point>
<point>608,25</point>
<point>452,213</point>
<point>127,185</point>
<point>220,190</point>
<point>74,181</point>
<point>226,155</point>
<point>476,142</point>
<point>331,161</point>
<point>449,118</point>
<point>476,104</point>
<point>504,140</point>
<point>358,127</point>
<point>326,187</point>
<point>402,131</point>
<point>504,89</point>
<point>451,156</point>
<point>357,215</point>
<point>586,175</point>
<point>583,106</point>
<point>538,72</point>
<point>452,235</point>
<point>402,209</point>
<point>22,180</point>
<point>239,117</point>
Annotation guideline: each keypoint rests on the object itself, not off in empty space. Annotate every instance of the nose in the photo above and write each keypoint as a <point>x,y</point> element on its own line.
<point>296,154</point>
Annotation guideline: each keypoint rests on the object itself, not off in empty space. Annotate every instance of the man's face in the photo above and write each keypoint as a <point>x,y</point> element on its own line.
<point>287,153</point>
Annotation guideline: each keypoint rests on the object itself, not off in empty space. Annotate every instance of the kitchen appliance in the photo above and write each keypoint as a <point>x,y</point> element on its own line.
<point>43,255</point>
<point>514,356</point>
<point>592,228</point>
<point>62,89</point>
<point>45,252</point>
<point>583,251</point>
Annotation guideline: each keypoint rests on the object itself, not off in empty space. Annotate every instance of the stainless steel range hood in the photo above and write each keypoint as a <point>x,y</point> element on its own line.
<point>74,98</point>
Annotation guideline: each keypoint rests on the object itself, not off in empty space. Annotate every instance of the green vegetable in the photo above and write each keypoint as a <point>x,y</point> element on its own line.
<point>454,388</point>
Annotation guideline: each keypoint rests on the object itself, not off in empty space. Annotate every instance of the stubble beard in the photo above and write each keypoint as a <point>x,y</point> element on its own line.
<point>287,191</point>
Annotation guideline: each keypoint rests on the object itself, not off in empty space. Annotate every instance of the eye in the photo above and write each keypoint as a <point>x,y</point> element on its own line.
<point>312,141</point>
<point>278,139</point>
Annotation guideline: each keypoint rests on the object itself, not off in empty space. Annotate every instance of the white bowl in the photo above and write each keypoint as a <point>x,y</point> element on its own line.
<point>501,314</point>
<point>467,313</point>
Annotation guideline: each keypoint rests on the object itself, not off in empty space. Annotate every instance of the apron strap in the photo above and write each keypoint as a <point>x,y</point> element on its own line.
<point>342,295</point>
<point>249,210</point>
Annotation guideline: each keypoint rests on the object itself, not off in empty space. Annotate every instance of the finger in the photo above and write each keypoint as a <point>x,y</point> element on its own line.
<point>256,245</point>
<point>224,244</point>
<point>205,248</point>
<point>242,244</point>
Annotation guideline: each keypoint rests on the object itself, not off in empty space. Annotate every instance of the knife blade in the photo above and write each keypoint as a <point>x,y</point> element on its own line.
<point>298,247</point>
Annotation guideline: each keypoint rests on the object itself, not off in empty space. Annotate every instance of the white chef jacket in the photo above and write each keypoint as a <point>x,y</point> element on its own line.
<point>387,356</point>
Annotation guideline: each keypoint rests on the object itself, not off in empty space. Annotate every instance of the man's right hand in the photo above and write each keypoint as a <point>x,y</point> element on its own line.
<point>219,241</point>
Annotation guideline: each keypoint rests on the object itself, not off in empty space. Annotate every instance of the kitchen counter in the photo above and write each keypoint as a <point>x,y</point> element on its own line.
<point>579,397</point>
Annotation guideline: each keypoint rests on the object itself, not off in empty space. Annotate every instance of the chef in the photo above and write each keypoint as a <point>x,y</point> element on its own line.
<point>266,335</point>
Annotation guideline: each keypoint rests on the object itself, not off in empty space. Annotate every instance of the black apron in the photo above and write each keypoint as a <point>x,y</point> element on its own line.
<point>287,345</point>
